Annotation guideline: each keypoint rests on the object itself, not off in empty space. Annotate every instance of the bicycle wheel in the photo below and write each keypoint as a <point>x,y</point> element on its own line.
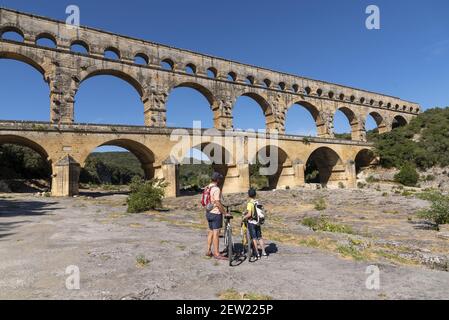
<point>230,246</point>
<point>249,248</point>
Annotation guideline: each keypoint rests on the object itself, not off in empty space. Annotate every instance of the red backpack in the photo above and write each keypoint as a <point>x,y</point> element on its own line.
<point>205,199</point>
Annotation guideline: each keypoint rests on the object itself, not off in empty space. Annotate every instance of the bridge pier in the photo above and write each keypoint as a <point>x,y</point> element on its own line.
<point>236,178</point>
<point>351,174</point>
<point>169,172</point>
<point>65,180</point>
<point>290,176</point>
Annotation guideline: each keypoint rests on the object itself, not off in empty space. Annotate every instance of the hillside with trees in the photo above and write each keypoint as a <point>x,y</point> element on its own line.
<point>423,143</point>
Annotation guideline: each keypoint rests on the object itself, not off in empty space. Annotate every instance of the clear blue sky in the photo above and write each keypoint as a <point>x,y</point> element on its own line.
<point>325,40</point>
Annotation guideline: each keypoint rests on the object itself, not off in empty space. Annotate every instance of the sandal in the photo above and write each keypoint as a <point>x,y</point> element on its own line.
<point>209,255</point>
<point>220,257</point>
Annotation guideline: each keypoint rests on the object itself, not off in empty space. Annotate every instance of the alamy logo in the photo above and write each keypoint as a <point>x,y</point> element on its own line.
<point>74,18</point>
<point>373,20</point>
<point>373,280</point>
<point>73,280</point>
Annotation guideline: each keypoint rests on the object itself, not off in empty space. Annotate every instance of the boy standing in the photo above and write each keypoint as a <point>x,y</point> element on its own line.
<point>254,227</point>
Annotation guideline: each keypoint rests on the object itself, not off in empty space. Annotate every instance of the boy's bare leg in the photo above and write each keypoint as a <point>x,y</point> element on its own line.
<point>255,247</point>
<point>262,244</point>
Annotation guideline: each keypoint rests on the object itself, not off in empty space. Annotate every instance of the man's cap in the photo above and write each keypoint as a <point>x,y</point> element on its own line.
<point>216,176</point>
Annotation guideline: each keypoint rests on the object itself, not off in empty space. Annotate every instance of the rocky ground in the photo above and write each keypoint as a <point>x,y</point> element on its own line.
<point>160,255</point>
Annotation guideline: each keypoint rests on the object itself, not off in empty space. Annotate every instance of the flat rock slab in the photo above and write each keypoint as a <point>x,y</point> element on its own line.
<point>41,237</point>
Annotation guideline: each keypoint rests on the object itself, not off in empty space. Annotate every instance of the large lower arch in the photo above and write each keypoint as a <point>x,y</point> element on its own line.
<point>316,116</point>
<point>273,163</point>
<point>142,153</point>
<point>364,159</point>
<point>12,139</point>
<point>270,121</point>
<point>217,157</point>
<point>325,166</point>
<point>22,158</point>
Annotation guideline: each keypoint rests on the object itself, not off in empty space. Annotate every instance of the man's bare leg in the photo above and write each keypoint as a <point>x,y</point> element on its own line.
<point>210,236</point>
<point>216,242</point>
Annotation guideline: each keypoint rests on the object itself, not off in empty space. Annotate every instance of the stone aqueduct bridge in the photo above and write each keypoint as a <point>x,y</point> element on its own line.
<point>66,145</point>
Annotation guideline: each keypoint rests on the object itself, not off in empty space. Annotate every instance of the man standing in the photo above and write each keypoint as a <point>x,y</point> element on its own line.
<point>215,212</point>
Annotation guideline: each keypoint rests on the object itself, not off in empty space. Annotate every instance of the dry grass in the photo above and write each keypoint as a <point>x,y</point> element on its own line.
<point>232,294</point>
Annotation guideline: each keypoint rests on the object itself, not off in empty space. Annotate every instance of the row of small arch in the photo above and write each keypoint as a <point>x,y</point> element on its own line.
<point>81,47</point>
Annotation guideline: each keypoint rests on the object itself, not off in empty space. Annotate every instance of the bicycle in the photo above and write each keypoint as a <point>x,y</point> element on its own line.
<point>228,240</point>
<point>247,238</point>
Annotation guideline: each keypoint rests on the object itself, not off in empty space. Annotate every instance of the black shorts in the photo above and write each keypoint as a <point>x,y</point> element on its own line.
<point>215,221</point>
<point>255,231</point>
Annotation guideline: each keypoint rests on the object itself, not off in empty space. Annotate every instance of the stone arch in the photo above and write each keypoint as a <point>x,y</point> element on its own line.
<point>42,69</point>
<point>191,68</point>
<point>26,142</point>
<point>212,72</point>
<point>364,159</point>
<point>315,113</point>
<point>398,121</point>
<point>113,50</point>
<point>270,121</point>
<point>352,119</point>
<point>14,29</point>
<point>116,73</point>
<point>47,36</point>
<point>329,165</point>
<point>44,173</point>
<point>143,56</point>
<point>276,165</point>
<point>169,62</point>
<point>92,73</point>
<point>82,43</point>
<point>38,65</point>
<point>379,119</point>
<point>142,153</point>
<point>206,93</point>
<point>219,156</point>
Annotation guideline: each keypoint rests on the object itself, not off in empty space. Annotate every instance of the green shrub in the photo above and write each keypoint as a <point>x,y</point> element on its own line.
<point>141,261</point>
<point>146,195</point>
<point>429,195</point>
<point>408,176</point>
<point>320,204</point>
<point>439,210</point>
<point>372,179</point>
<point>341,185</point>
<point>323,224</point>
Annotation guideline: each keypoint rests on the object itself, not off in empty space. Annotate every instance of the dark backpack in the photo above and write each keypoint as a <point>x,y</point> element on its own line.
<point>258,213</point>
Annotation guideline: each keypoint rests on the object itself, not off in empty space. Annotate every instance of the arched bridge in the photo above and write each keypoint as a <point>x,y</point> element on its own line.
<point>154,70</point>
